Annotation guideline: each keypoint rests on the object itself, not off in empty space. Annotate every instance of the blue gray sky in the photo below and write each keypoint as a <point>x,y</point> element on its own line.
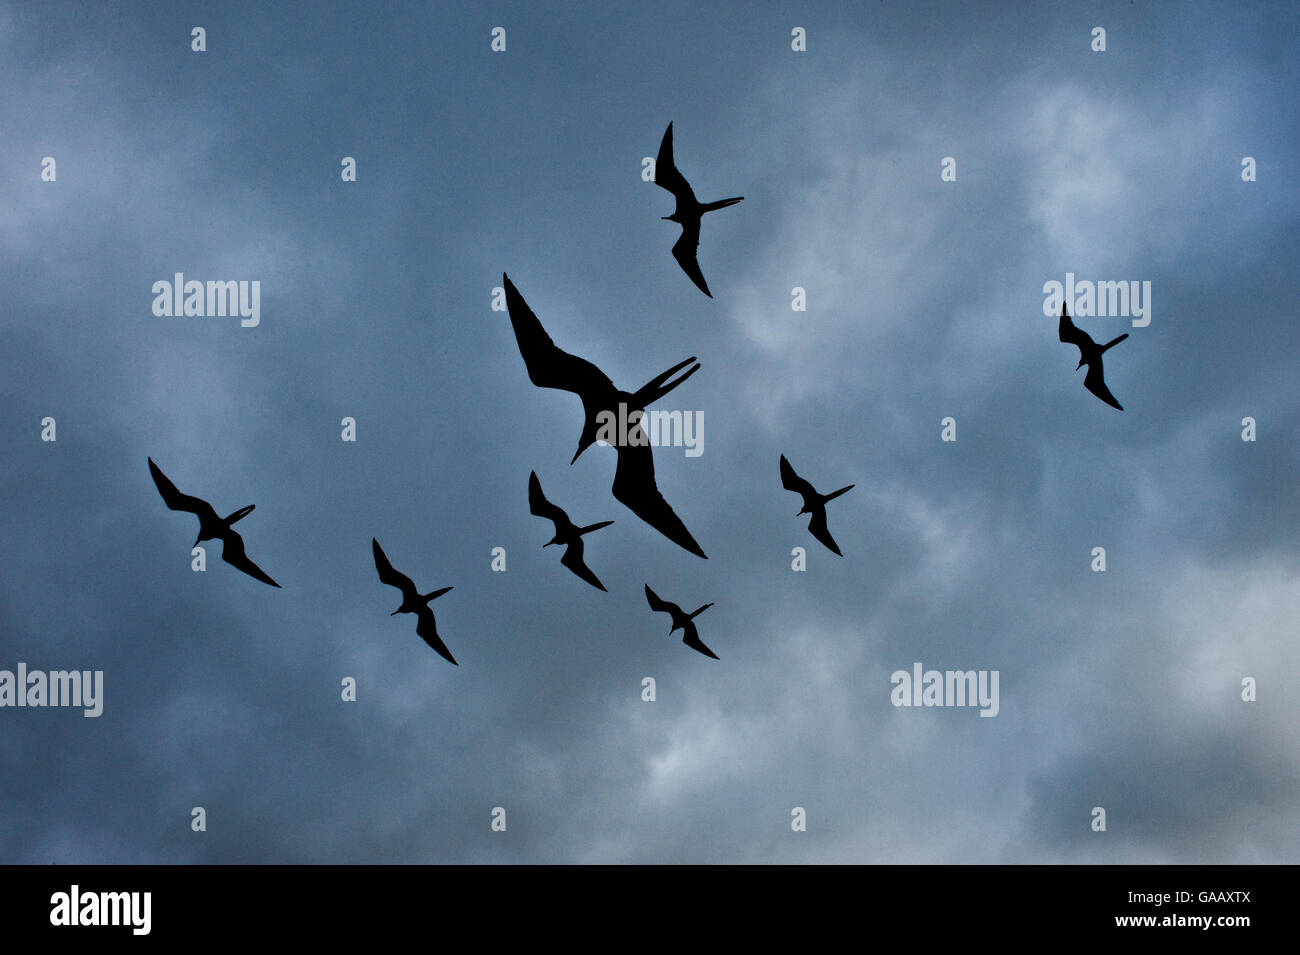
<point>925,300</point>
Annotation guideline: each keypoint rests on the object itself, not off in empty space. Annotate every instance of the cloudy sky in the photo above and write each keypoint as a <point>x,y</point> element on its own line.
<point>1119,689</point>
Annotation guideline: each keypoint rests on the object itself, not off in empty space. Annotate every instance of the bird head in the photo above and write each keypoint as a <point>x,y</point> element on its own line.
<point>671,218</point>
<point>553,540</point>
<point>1080,365</point>
<point>395,612</point>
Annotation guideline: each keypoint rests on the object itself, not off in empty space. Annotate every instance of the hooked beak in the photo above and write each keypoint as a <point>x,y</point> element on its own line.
<point>394,613</point>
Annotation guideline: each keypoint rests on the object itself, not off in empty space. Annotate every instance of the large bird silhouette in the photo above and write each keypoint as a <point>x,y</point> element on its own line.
<point>634,477</point>
<point>412,601</point>
<point>681,620</point>
<point>1089,354</point>
<point>813,503</point>
<point>688,213</point>
<point>566,532</point>
<point>211,526</point>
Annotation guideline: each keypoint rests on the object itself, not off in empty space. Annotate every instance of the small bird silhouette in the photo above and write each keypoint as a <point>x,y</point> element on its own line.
<point>681,620</point>
<point>634,477</point>
<point>412,601</point>
<point>566,532</point>
<point>813,503</point>
<point>211,527</point>
<point>688,213</point>
<point>1089,354</point>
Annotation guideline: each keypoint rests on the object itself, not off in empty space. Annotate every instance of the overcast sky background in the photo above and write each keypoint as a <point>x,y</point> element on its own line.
<point>1118,689</point>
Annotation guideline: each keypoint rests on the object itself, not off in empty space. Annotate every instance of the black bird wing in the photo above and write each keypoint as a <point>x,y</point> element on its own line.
<point>692,640</point>
<point>548,365</point>
<point>1071,334</point>
<point>541,507</point>
<point>659,605</point>
<point>387,575</point>
<point>232,552</point>
<point>820,531</point>
<point>177,501</point>
<point>427,627</point>
<point>793,482</point>
<point>667,176</point>
<point>572,559</point>
<point>686,252</point>
<point>1096,383</point>
<point>635,487</point>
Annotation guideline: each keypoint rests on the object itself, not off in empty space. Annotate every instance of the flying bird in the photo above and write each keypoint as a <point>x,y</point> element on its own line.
<point>566,532</point>
<point>412,601</point>
<point>813,503</point>
<point>211,526</point>
<point>1089,354</point>
<point>634,477</point>
<point>681,620</point>
<point>688,212</point>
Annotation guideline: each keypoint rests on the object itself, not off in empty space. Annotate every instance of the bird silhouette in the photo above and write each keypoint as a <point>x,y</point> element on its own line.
<point>412,601</point>
<point>688,213</point>
<point>566,532</point>
<point>681,620</point>
<point>211,526</point>
<point>1089,354</point>
<point>813,503</point>
<point>634,477</point>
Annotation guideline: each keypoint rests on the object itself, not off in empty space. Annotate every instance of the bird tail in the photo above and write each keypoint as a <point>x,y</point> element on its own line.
<point>657,387</point>
<point>593,527</point>
<point>241,513</point>
<point>720,204</point>
<point>1114,341</point>
<point>834,494</point>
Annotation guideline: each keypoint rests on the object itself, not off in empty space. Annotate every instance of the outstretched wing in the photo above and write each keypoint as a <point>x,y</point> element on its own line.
<point>387,575</point>
<point>657,603</point>
<point>820,531</point>
<point>572,559</point>
<point>692,640</point>
<point>177,501</point>
<point>548,365</point>
<point>427,627</point>
<point>1096,383</point>
<point>793,482</point>
<point>233,554</point>
<point>686,252</point>
<point>1071,334</point>
<point>667,176</point>
<point>634,486</point>
<point>541,507</point>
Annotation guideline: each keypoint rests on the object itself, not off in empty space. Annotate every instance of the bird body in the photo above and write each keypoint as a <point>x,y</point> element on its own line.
<point>211,526</point>
<point>814,503</point>
<point>567,533</point>
<point>1089,354</point>
<point>687,213</point>
<point>412,601</point>
<point>681,620</point>
<point>634,478</point>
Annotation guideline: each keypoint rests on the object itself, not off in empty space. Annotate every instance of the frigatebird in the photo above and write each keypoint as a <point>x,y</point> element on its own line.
<point>681,620</point>
<point>688,212</point>
<point>211,526</point>
<point>412,601</point>
<point>634,478</point>
<point>813,503</point>
<point>566,532</point>
<point>1089,354</point>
